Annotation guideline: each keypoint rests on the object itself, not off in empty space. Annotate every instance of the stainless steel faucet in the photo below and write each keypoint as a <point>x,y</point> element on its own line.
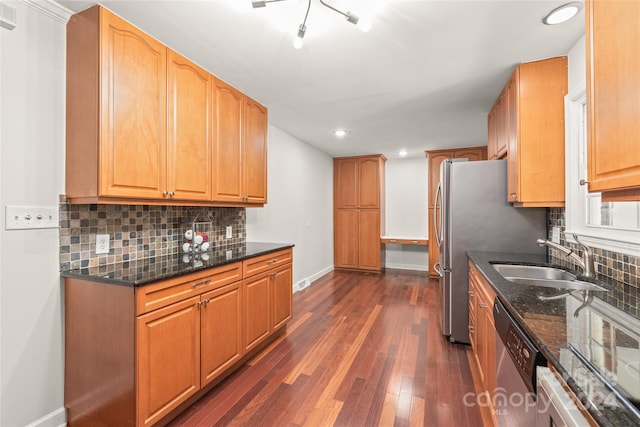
<point>586,261</point>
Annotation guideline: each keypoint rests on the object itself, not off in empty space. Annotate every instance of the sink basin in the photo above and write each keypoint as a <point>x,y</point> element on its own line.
<point>532,272</point>
<point>548,277</point>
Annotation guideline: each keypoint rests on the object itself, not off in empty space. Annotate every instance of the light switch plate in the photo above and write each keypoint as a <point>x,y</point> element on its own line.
<point>555,234</point>
<point>31,217</point>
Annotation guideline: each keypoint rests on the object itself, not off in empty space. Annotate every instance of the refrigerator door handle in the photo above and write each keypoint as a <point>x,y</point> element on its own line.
<point>437,225</point>
<point>438,269</point>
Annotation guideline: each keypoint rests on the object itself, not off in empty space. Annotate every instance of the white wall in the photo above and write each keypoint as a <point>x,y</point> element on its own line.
<point>300,205</point>
<point>577,64</point>
<point>407,210</point>
<point>32,103</point>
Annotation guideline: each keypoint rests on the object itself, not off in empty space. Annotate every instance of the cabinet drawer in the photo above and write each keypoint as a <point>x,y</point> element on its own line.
<point>257,265</point>
<point>161,294</point>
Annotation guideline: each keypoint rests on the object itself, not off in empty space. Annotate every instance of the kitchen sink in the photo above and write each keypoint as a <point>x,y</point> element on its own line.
<point>532,272</point>
<point>548,277</point>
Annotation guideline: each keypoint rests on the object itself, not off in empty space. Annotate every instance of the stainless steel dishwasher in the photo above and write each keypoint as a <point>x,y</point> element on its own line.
<point>517,358</point>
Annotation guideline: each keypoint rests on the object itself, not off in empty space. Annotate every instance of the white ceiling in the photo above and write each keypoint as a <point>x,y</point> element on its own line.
<point>424,76</point>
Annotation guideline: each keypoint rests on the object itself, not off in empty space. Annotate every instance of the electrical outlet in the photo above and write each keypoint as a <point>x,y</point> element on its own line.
<point>229,231</point>
<point>555,234</point>
<point>102,244</point>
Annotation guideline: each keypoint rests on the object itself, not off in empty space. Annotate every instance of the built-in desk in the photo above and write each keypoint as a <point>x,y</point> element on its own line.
<point>422,241</point>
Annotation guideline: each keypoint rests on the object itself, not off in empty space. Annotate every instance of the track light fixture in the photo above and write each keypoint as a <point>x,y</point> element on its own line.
<point>298,40</point>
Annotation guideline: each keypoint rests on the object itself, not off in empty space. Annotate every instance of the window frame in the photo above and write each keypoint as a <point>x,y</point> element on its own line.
<point>605,237</point>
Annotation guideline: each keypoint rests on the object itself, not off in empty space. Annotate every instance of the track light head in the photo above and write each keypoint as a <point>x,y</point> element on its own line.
<point>352,18</point>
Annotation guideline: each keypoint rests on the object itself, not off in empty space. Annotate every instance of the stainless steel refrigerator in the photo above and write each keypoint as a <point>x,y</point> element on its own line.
<point>474,214</point>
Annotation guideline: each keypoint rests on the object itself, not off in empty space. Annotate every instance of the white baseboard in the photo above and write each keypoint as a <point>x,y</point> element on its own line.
<point>417,267</point>
<point>306,282</point>
<point>57,418</point>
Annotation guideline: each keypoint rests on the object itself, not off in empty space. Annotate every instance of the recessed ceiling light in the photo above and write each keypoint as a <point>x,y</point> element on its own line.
<point>340,133</point>
<point>562,13</point>
<point>402,153</point>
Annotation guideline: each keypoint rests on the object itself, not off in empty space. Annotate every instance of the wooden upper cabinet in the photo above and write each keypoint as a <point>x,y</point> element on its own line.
<point>357,181</point>
<point>346,182</point>
<point>189,130</point>
<point>497,126</point>
<point>254,150</point>
<point>116,109</point>
<point>240,147</point>
<point>369,183</point>
<point>133,88</point>
<point>142,122</point>
<point>227,151</point>
<point>613,106</point>
<point>535,154</point>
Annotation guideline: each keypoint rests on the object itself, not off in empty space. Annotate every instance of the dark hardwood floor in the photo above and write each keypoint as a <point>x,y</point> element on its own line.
<point>361,350</point>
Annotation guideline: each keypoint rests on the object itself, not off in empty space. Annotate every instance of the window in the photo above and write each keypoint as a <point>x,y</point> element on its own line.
<point>610,226</point>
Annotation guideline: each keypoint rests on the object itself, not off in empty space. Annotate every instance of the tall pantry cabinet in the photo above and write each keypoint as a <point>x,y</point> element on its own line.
<point>358,212</point>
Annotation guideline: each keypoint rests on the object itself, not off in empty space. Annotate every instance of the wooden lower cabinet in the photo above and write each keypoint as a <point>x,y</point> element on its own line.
<point>482,334</point>
<point>220,347</point>
<point>168,359</point>
<point>357,239</point>
<point>268,299</point>
<point>134,356</point>
<point>256,318</point>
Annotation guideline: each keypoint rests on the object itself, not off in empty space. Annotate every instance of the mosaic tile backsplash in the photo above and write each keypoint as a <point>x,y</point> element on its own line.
<point>620,270</point>
<point>138,231</point>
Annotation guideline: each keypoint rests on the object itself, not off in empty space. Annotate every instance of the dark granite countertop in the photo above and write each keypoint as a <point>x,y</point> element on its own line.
<point>148,270</point>
<point>577,321</point>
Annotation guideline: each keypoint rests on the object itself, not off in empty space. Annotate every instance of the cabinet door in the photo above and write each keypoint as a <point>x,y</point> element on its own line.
<point>513,185</point>
<point>613,67</point>
<point>227,145</point>
<point>369,183</point>
<point>345,186</point>
<point>254,151</point>
<point>369,239</point>
<point>257,307</point>
<point>133,112</point>
<point>221,337</point>
<point>502,123</point>
<point>346,238</point>
<point>492,142</point>
<point>167,359</point>
<point>282,289</point>
<point>189,92</point>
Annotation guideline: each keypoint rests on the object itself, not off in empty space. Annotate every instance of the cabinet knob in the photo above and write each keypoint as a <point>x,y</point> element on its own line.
<point>173,193</point>
<point>165,193</point>
<point>583,182</point>
<point>513,196</point>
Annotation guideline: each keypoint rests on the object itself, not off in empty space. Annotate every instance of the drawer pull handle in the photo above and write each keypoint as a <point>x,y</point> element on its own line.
<point>483,305</point>
<point>204,282</point>
<point>272,261</point>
